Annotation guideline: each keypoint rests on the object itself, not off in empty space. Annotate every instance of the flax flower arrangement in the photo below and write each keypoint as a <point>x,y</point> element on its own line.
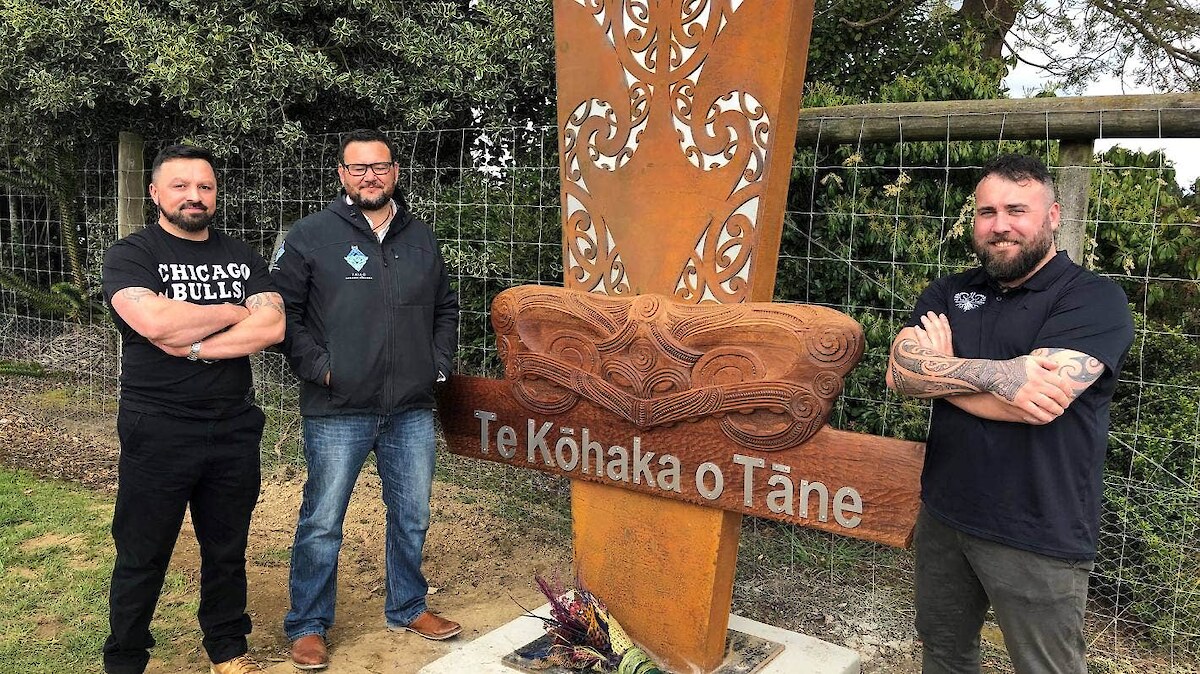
<point>586,637</point>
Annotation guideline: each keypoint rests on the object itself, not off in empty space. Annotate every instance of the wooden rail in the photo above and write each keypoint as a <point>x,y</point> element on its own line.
<point>1067,119</point>
<point>1076,122</point>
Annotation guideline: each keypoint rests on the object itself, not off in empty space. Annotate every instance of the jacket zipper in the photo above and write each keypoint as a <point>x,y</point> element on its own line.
<point>389,395</point>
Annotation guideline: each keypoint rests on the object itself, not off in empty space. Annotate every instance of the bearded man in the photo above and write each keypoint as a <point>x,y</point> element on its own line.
<point>1021,357</point>
<point>371,325</point>
<point>191,304</point>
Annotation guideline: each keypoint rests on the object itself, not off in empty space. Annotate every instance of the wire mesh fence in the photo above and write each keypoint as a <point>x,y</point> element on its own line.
<point>868,225</point>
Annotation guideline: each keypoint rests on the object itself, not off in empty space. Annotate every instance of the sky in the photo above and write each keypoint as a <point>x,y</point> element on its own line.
<point>1026,80</point>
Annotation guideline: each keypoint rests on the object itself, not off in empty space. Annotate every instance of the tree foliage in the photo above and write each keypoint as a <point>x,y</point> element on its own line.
<point>251,74</point>
<point>1151,43</point>
<point>1148,231</point>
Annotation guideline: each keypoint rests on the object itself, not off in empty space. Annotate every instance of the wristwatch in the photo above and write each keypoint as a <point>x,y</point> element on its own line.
<point>194,353</point>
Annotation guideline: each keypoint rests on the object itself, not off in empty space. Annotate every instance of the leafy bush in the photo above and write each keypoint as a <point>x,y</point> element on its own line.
<point>1149,557</point>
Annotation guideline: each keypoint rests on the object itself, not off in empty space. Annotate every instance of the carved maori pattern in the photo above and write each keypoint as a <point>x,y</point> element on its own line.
<point>661,49</point>
<point>734,131</point>
<point>770,372</point>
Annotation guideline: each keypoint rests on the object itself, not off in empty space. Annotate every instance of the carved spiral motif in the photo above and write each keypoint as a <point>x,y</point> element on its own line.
<point>642,354</point>
<point>830,345</point>
<point>576,351</point>
<point>806,407</point>
<point>504,315</point>
<point>828,385</point>
<point>645,307</point>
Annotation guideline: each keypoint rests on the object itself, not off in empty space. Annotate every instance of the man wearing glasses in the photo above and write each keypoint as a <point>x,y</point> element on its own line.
<point>371,326</point>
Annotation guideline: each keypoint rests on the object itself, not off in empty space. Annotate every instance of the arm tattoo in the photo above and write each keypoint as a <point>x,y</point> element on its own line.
<point>136,294</point>
<point>925,373</point>
<point>1078,368</point>
<point>272,300</point>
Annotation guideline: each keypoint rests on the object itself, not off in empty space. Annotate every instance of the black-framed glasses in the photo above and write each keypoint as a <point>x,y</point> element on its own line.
<point>378,168</point>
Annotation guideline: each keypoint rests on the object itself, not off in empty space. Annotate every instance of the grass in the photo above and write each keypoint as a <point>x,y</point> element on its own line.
<point>55,560</point>
<point>510,493</point>
<point>78,398</point>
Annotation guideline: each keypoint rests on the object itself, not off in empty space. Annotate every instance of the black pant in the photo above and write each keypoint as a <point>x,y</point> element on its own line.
<point>168,464</point>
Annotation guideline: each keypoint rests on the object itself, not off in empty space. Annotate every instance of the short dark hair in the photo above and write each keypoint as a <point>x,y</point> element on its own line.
<point>1019,168</point>
<point>365,136</point>
<point>180,152</point>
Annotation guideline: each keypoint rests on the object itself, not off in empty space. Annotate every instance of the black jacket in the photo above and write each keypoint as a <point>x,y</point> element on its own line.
<point>381,318</point>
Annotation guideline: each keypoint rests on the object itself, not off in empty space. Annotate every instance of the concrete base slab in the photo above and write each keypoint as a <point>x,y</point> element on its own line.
<point>800,653</point>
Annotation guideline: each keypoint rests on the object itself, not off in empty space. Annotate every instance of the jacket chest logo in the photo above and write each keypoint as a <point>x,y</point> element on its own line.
<point>968,301</point>
<point>356,258</point>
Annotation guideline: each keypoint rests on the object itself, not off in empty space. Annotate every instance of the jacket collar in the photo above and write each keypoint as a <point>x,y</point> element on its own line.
<point>354,216</point>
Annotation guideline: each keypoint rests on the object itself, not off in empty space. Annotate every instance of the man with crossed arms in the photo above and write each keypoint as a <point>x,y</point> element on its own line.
<point>191,303</point>
<point>1021,356</point>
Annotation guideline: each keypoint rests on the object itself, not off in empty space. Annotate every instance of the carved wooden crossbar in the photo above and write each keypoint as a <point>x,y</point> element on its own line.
<point>770,373</point>
<point>718,405</point>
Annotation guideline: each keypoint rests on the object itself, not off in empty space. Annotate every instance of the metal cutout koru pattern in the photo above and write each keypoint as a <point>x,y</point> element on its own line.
<point>769,372</point>
<point>660,136</point>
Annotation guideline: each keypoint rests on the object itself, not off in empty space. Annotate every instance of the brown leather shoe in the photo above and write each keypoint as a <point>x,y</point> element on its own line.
<point>431,626</point>
<point>308,652</point>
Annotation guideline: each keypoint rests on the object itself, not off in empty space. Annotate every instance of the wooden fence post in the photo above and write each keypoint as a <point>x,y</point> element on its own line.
<point>1074,182</point>
<point>131,184</point>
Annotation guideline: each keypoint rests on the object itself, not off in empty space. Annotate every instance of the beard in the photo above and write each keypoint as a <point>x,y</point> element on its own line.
<point>1003,269</point>
<point>368,204</point>
<point>188,222</point>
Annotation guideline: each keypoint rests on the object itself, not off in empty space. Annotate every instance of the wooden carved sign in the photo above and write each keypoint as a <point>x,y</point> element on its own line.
<point>676,124</point>
<point>718,405</point>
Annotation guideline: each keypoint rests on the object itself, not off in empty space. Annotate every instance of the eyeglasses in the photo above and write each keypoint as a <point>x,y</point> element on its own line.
<point>378,168</point>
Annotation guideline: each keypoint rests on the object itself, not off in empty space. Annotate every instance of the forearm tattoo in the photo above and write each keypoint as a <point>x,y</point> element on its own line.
<point>272,300</point>
<point>135,294</point>
<point>925,373</point>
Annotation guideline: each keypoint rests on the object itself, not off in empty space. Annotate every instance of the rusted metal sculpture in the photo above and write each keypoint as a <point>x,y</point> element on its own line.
<point>676,123</point>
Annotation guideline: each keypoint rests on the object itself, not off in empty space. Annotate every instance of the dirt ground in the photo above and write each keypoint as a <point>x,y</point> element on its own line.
<point>480,565</point>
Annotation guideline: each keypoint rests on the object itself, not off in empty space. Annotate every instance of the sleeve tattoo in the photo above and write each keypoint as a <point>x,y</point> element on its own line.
<point>925,373</point>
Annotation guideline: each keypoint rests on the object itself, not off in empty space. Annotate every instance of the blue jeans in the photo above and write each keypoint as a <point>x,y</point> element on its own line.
<point>335,448</point>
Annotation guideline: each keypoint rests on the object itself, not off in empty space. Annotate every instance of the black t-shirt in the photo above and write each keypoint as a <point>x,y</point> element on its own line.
<point>1032,487</point>
<point>217,270</point>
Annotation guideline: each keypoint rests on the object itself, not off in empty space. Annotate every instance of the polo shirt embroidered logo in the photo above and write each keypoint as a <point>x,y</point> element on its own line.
<point>968,301</point>
<point>356,258</point>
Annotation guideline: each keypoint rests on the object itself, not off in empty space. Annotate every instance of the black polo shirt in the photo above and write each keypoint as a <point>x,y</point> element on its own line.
<point>1037,488</point>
